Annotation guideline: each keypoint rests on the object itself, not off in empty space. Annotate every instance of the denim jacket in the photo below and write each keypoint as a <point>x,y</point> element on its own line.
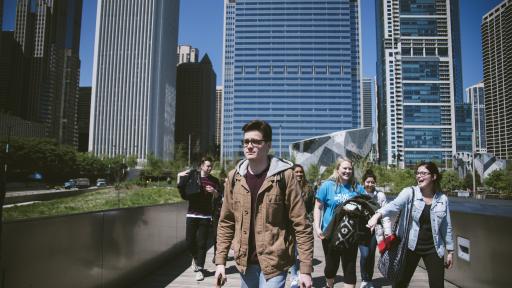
<point>439,217</point>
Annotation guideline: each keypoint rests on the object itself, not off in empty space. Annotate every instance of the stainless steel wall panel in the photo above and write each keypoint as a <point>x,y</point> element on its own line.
<point>490,254</point>
<point>53,252</point>
<point>102,249</point>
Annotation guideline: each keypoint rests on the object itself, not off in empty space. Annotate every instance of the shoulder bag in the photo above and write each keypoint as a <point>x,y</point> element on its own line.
<point>391,261</point>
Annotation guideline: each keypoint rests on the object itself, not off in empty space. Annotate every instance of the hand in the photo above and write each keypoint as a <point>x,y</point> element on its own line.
<point>319,233</point>
<point>373,221</point>
<point>305,280</point>
<point>210,189</point>
<point>220,273</point>
<point>184,173</point>
<point>449,260</point>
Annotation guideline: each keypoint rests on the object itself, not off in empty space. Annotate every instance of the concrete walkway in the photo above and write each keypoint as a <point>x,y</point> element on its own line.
<point>179,274</point>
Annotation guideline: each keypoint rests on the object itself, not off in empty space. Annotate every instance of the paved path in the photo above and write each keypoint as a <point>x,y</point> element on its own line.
<point>180,274</point>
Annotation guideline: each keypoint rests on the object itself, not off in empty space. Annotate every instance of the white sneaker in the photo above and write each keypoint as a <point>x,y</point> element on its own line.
<point>199,276</point>
<point>365,284</point>
<point>194,266</point>
<point>294,283</point>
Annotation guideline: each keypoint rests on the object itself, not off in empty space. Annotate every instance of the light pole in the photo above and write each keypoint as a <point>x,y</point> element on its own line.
<point>189,147</point>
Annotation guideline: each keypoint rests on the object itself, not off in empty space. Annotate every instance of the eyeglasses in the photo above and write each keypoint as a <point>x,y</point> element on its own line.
<point>254,142</point>
<point>422,173</point>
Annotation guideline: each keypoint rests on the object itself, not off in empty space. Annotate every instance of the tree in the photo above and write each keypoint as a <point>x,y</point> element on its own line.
<point>499,180</point>
<point>450,181</point>
<point>468,181</point>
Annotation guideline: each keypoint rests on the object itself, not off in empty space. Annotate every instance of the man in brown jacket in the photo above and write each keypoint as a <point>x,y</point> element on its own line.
<point>262,216</point>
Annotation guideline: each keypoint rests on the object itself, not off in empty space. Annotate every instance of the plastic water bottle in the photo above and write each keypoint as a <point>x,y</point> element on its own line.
<point>386,223</point>
<point>379,234</point>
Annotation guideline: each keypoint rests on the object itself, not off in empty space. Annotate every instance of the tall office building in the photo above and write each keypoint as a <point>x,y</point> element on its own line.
<point>218,113</point>
<point>368,90</point>
<point>187,54</point>
<point>134,78</point>
<point>195,107</point>
<point>293,63</point>
<point>83,118</point>
<point>496,41</point>
<point>49,35</point>
<point>419,80</point>
<point>475,95</point>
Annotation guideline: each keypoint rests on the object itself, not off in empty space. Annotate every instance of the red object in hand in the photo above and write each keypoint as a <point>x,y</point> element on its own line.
<point>387,243</point>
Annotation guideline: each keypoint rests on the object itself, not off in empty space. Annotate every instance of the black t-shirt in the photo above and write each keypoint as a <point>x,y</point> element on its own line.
<point>254,182</point>
<point>425,244</point>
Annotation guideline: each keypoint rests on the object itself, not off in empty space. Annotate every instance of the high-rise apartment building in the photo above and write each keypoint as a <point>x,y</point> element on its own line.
<point>49,35</point>
<point>195,107</point>
<point>187,54</point>
<point>497,60</point>
<point>419,80</point>
<point>293,63</point>
<point>475,95</point>
<point>218,113</point>
<point>134,75</point>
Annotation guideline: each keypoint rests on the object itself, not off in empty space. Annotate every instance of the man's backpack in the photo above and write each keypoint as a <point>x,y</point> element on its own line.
<point>190,185</point>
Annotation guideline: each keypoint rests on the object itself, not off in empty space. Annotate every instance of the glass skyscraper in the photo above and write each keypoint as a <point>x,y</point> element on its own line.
<point>419,80</point>
<point>475,95</point>
<point>293,63</point>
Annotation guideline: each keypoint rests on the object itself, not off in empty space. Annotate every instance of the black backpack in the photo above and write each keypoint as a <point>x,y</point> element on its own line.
<point>190,185</point>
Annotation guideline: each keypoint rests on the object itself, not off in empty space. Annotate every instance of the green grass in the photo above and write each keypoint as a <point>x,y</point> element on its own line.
<point>95,201</point>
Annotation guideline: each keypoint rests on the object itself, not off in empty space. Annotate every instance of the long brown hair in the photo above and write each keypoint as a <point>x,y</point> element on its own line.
<point>304,183</point>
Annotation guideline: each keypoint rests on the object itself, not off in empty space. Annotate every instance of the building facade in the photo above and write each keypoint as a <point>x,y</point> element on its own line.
<point>497,62</point>
<point>475,95</point>
<point>419,80</point>
<point>293,63</point>
<point>83,118</point>
<point>134,89</point>
<point>195,107</point>
<point>219,95</point>
<point>187,54</point>
<point>49,35</point>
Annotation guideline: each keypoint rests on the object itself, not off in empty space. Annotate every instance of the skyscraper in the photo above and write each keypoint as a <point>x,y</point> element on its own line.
<point>219,94</point>
<point>187,54</point>
<point>475,96</point>
<point>133,90</point>
<point>195,107</point>
<point>418,80</point>
<point>368,102</point>
<point>83,118</point>
<point>497,55</point>
<point>49,35</point>
<point>293,63</point>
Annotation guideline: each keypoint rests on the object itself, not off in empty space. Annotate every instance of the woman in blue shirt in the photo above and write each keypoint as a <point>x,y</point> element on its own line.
<point>430,233</point>
<point>340,187</point>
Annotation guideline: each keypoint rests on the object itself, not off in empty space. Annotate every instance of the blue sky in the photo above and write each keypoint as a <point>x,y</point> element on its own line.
<point>201,24</point>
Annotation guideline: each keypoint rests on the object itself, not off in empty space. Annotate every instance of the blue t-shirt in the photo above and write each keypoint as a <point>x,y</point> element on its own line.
<point>332,195</point>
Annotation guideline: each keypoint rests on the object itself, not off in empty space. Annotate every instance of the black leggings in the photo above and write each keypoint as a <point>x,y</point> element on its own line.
<point>433,263</point>
<point>348,258</point>
<point>197,238</point>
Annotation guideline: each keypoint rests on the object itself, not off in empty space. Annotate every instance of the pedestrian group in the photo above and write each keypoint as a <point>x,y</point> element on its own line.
<point>267,214</point>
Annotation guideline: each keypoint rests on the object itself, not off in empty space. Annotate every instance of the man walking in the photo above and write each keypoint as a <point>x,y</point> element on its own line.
<point>199,214</point>
<point>262,216</point>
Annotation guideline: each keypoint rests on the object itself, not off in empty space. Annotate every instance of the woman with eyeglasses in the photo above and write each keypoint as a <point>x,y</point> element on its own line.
<point>430,233</point>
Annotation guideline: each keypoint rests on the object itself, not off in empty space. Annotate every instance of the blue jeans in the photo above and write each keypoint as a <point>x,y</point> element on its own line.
<point>367,259</point>
<point>294,270</point>
<point>254,278</point>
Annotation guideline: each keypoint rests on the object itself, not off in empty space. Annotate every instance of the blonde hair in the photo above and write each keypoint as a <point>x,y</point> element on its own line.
<point>336,177</point>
